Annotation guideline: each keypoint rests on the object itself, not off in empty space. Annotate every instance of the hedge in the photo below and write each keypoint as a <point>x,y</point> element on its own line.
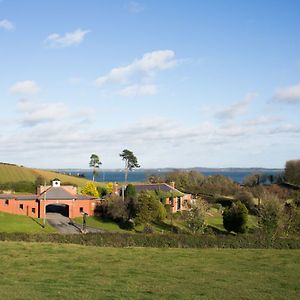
<point>155,240</point>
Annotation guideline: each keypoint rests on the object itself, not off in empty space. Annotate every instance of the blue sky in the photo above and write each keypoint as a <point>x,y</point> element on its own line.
<point>180,83</point>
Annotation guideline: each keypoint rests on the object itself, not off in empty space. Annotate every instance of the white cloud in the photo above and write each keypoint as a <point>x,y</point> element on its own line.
<point>263,120</point>
<point>135,7</point>
<point>7,25</point>
<point>138,90</point>
<point>290,94</point>
<point>35,112</point>
<point>24,87</point>
<point>55,40</point>
<point>236,109</point>
<point>150,63</point>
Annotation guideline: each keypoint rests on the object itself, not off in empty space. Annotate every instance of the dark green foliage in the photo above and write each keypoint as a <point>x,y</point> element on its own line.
<point>235,218</point>
<point>102,191</point>
<point>154,240</point>
<point>130,192</point>
<point>224,201</point>
<point>149,208</point>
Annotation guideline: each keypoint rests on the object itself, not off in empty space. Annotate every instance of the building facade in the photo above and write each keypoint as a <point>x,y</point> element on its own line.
<point>54,198</point>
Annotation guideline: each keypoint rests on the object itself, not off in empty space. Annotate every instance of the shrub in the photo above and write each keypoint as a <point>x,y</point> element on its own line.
<point>235,218</point>
<point>102,191</point>
<point>149,208</point>
<point>246,198</point>
<point>90,189</point>
<point>269,216</point>
<point>195,217</point>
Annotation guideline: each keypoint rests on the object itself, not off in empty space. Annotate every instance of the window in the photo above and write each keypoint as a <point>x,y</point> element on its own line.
<point>21,206</point>
<point>81,209</point>
<point>33,210</point>
<point>178,203</point>
<point>6,202</point>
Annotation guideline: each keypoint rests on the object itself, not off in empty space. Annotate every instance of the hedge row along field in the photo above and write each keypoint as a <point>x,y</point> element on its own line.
<point>155,240</point>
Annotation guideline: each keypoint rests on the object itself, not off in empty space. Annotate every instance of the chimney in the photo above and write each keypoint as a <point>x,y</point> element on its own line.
<point>172,184</point>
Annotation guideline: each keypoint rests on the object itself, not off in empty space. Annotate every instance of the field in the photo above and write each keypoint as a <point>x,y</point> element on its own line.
<point>40,271</point>
<point>12,173</point>
<point>15,223</point>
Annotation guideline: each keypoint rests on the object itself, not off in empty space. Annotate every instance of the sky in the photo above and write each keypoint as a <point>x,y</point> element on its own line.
<point>180,83</point>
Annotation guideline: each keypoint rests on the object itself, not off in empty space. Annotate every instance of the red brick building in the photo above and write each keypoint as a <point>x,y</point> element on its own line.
<point>54,198</point>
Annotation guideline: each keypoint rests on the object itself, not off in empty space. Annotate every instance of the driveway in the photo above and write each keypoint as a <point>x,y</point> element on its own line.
<point>66,225</point>
<point>61,223</point>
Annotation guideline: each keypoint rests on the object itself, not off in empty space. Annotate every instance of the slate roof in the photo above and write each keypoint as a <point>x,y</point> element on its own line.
<point>59,193</point>
<point>26,197</point>
<point>7,196</point>
<point>53,193</point>
<point>164,187</point>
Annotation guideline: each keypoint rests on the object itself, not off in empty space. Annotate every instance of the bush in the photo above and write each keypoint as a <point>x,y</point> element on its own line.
<point>270,214</point>
<point>246,198</point>
<point>149,208</point>
<point>235,218</point>
<point>154,240</point>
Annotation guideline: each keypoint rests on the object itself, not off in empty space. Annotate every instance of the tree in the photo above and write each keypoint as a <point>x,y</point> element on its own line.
<point>149,208</point>
<point>90,189</point>
<point>95,164</point>
<point>130,162</point>
<point>235,218</point>
<point>195,217</point>
<point>292,171</point>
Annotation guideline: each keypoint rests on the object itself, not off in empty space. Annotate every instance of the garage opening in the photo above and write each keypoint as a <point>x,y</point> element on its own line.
<point>62,209</point>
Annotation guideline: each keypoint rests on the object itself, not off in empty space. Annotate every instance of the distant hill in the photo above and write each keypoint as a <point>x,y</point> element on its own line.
<point>14,173</point>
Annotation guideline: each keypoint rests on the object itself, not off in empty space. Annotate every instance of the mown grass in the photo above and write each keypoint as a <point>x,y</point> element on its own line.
<point>12,173</point>
<point>16,223</point>
<point>53,271</point>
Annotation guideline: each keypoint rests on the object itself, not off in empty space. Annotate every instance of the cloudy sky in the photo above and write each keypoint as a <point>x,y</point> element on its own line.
<point>180,83</point>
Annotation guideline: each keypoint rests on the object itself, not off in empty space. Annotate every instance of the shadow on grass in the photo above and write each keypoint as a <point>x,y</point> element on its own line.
<point>38,222</point>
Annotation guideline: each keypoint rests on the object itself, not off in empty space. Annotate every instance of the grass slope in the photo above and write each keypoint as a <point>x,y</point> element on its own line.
<point>15,223</point>
<point>12,173</point>
<point>53,271</point>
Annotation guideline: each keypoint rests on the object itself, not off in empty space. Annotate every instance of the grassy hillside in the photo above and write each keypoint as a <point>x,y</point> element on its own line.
<point>15,223</point>
<point>13,173</point>
<point>55,271</point>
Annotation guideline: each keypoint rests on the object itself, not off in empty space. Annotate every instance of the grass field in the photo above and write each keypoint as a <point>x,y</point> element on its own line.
<point>15,223</point>
<point>12,173</point>
<point>53,271</point>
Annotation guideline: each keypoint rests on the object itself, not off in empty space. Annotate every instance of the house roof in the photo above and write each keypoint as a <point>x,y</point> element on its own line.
<point>7,196</point>
<point>59,193</point>
<point>26,197</point>
<point>164,187</point>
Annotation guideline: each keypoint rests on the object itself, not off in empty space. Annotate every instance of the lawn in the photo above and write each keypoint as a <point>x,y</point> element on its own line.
<point>55,271</point>
<point>16,223</point>
<point>158,227</point>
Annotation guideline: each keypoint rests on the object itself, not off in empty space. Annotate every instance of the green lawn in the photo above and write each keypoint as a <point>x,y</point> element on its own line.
<point>16,223</point>
<point>160,227</point>
<point>55,271</point>
<point>101,223</point>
